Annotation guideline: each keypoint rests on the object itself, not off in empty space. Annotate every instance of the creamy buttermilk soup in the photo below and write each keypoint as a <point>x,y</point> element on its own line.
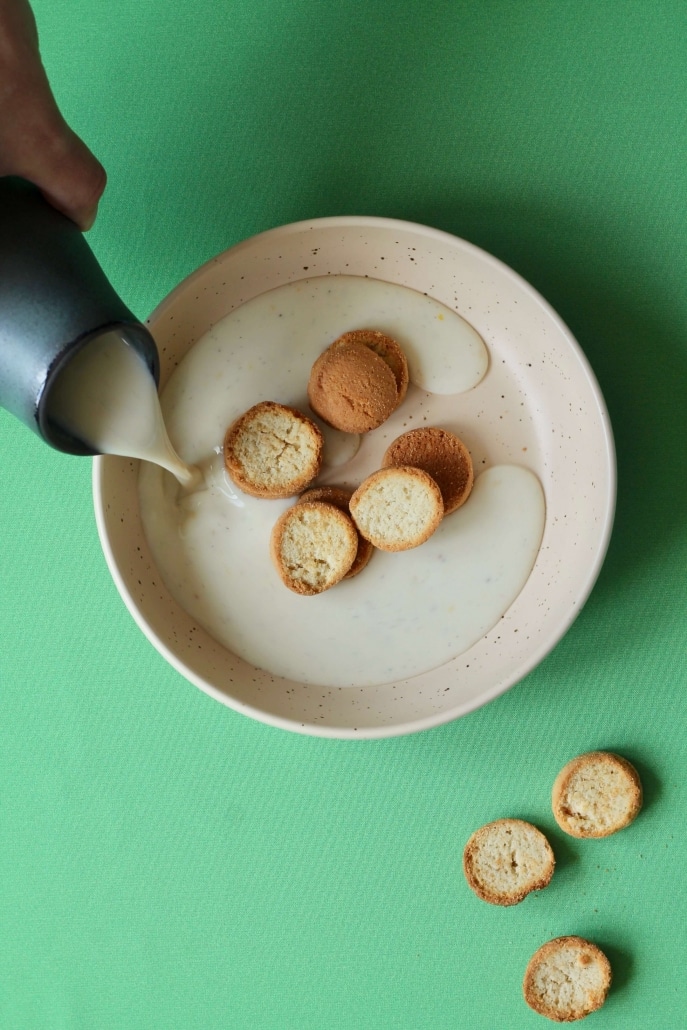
<point>405,613</point>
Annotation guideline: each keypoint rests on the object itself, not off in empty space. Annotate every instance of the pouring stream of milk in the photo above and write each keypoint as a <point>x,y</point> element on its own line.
<point>107,398</point>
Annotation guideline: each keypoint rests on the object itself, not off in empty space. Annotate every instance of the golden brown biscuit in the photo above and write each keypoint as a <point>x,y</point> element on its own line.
<point>313,545</point>
<point>388,349</point>
<point>352,389</point>
<point>397,508</point>
<point>440,453</point>
<point>340,496</point>
<point>506,860</point>
<point>596,794</point>
<point>567,979</point>
<point>273,451</point>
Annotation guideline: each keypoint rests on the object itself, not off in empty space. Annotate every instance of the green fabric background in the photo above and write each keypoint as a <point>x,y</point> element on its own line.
<point>166,862</point>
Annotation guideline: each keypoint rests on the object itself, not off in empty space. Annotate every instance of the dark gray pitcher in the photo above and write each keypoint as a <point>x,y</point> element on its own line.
<point>54,298</point>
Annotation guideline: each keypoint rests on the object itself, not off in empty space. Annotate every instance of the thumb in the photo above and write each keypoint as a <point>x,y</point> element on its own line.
<point>69,176</point>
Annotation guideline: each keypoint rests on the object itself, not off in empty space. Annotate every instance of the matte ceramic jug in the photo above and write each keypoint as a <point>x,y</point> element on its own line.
<point>54,298</point>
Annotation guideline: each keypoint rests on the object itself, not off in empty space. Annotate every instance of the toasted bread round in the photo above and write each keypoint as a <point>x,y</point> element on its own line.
<point>388,349</point>
<point>567,979</point>
<point>339,496</point>
<point>273,451</point>
<point>352,389</point>
<point>596,794</point>
<point>440,453</point>
<point>506,860</point>
<point>397,508</point>
<point>313,545</point>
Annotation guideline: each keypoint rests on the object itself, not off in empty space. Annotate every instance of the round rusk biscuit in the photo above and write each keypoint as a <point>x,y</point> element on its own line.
<point>443,455</point>
<point>340,496</point>
<point>567,979</point>
<point>506,860</point>
<point>273,451</point>
<point>596,794</point>
<point>352,389</point>
<point>313,545</point>
<point>397,508</point>
<point>388,349</point>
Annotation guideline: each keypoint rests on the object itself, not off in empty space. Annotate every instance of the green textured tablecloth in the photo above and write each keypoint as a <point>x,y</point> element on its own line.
<point>168,863</point>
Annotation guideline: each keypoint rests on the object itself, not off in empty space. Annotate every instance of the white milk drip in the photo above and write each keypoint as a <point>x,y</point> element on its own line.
<point>405,613</point>
<point>107,398</point>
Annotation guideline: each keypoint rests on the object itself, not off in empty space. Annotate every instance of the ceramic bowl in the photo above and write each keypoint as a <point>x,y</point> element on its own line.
<point>572,453</point>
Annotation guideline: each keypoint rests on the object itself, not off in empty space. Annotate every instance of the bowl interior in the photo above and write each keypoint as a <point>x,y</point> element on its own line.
<point>567,441</point>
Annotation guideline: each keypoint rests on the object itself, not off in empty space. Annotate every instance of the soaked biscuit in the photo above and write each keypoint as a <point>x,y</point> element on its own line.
<point>440,453</point>
<point>313,545</point>
<point>273,451</point>
<point>352,389</point>
<point>340,496</point>
<point>397,508</point>
<point>388,349</point>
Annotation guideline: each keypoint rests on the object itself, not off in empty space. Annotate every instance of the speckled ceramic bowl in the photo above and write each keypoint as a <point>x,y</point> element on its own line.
<point>566,440</point>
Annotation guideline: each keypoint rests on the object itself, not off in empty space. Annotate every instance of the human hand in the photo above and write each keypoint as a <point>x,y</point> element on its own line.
<point>35,141</point>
